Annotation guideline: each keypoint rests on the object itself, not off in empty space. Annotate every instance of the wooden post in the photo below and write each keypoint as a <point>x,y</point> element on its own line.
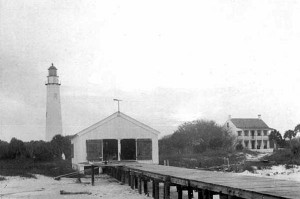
<point>112,172</point>
<point>179,191</point>
<point>118,174</point>
<point>200,194</point>
<point>123,180</point>
<point>129,178</point>
<point>139,182</point>
<point>156,187</point>
<point>145,186</point>
<point>126,177</point>
<point>153,189</point>
<point>190,193</point>
<point>207,194</point>
<point>223,196</point>
<point>93,175</point>
<point>132,182</point>
<point>135,182</point>
<point>167,187</point>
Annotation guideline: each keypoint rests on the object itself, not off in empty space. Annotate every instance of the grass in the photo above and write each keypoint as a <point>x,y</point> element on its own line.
<point>209,158</point>
<point>214,160</point>
<point>27,168</point>
<point>284,156</point>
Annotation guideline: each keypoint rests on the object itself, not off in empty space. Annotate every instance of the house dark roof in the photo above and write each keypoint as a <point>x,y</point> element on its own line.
<point>249,123</point>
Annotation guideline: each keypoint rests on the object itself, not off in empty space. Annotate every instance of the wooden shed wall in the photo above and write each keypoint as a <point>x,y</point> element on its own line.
<point>117,128</point>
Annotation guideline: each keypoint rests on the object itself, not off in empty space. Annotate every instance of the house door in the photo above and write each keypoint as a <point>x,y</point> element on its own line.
<point>144,149</point>
<point>128,149</point>
<point>110,149</point>
<point>94,150</point>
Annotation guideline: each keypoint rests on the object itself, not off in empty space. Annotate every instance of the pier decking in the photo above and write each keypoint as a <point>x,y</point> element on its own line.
<point>206,183</point>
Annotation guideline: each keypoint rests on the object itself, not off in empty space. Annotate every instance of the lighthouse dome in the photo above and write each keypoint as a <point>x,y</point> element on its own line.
<point>52,70</point>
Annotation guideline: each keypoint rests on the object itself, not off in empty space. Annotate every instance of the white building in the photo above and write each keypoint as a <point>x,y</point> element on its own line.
<point>117,137</point>
<point>53,109</point>
<point>252,133</point>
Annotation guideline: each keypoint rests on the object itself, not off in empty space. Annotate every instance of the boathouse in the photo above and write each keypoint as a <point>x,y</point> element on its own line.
<point>115,138</point>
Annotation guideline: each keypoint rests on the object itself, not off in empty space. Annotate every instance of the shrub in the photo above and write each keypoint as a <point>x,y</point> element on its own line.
<point>61,144</point>
<point>239,147</point>
<point>3,149</point>
<point>295,147</point>
<point>200,148</point>
<point>16,148</point>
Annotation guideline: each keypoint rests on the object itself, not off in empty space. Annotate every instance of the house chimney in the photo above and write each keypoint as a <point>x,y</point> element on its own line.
<point>259,116</point>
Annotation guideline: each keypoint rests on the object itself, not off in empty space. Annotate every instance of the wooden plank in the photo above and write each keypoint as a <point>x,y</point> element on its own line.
<point>225,183</point>
<point>179,181</point>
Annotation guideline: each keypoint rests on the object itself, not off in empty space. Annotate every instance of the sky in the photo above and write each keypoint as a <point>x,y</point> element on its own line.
<point>168,61</point>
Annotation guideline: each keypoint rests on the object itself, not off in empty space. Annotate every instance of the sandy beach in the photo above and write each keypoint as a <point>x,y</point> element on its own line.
<point>46,187</point>
<point>105,186</point>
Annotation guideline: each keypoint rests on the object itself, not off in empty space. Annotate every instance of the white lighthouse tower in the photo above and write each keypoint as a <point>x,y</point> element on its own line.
<point>53,112</point>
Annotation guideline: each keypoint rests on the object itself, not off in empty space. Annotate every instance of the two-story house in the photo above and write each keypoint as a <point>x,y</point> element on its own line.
<point>252,133</point>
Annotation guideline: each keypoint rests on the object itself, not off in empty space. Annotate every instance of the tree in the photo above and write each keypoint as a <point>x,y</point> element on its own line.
<point>197,136</point>
<point>297,129</point>
<point>16,148</point>
<point>277,138</point>
<point>40,150</point>
<point>3,149</point>
<point>289,134</point>
<point>61,144</point>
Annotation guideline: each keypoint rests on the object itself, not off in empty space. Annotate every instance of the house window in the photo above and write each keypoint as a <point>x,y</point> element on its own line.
<point>246,143</point>
<point>265,132</point>
<point>246,133</point>
<point>259,133</point>
<point>239,133</point>
<point>252,133</point>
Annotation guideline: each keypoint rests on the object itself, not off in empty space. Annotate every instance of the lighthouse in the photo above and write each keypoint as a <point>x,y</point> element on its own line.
<point>53,108</point>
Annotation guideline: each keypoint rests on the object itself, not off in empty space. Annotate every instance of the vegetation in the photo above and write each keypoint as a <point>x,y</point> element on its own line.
<point>276,137</point>
<point>289,134</point>
<point>35,157</point>
<point>196,137</point>
<point>200,143</point>
<point>204,144</point>
<point>26,167</point>
<point>37,150</point>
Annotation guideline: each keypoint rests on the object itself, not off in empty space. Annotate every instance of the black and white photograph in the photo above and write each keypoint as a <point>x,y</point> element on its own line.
<point>150,99</point>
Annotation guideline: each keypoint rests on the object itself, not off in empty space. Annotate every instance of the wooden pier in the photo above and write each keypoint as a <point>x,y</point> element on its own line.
<point>205,183</point>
